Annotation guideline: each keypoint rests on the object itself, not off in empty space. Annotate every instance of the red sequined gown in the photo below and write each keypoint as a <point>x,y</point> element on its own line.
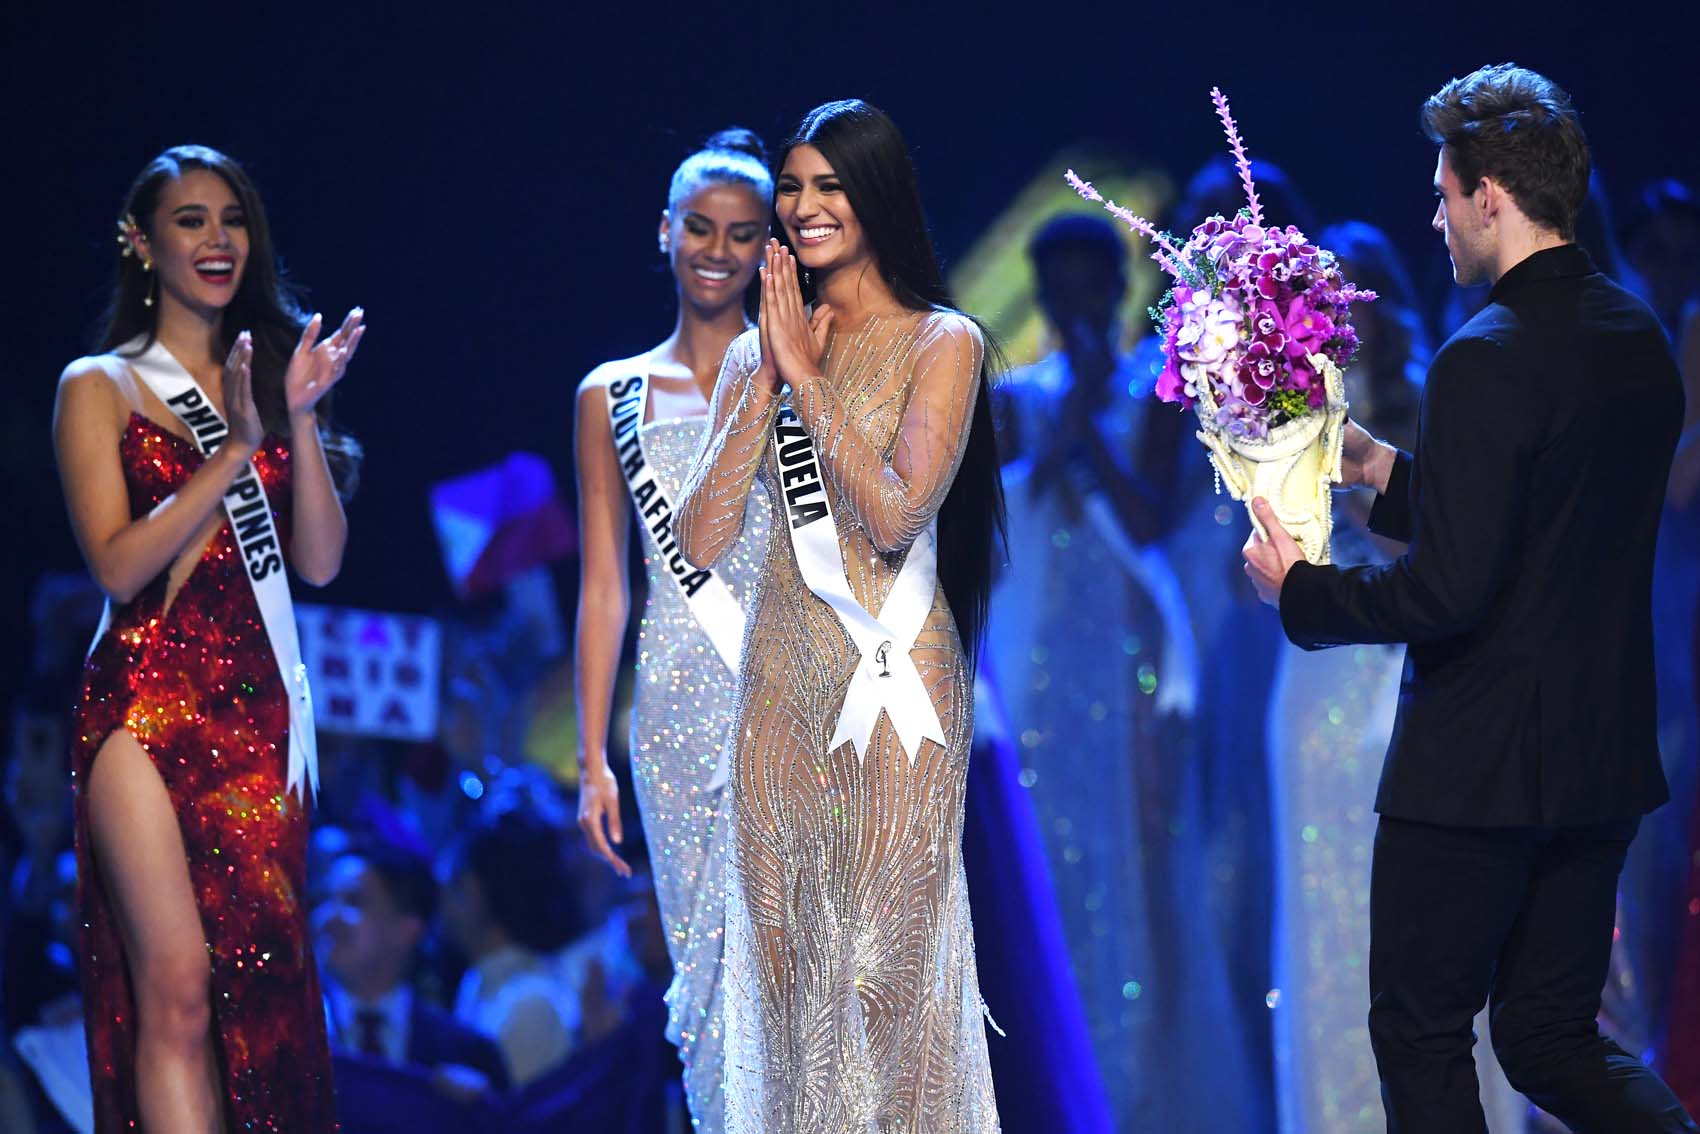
<point>197,686</point>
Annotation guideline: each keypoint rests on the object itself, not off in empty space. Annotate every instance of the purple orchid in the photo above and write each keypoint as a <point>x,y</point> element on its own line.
<point>1252,303</point>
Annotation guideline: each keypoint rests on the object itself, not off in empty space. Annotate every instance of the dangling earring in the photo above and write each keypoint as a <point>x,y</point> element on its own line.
<point>662,242</point>
<point>153,283</point>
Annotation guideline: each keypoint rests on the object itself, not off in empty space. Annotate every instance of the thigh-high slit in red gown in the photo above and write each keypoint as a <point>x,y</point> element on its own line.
<point>196,684</point>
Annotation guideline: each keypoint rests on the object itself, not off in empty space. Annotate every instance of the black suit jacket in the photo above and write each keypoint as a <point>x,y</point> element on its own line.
<point>1531,507</point>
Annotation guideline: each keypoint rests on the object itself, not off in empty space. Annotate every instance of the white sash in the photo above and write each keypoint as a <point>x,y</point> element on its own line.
<point>250,515</point>
<point>710,600</point>
<point>885,678</point>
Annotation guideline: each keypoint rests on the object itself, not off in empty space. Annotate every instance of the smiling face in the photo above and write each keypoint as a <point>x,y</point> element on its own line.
<point>198,242</point>
<point>1458,218</point>
<point>714,240</point>
<point>816,213</point>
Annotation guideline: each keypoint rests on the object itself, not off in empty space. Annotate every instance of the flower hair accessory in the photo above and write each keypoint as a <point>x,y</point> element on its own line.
<point>129,239</point>
<point>1255,331</point>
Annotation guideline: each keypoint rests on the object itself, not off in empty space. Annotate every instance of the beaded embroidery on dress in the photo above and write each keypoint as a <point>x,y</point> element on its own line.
<point>852,999</point>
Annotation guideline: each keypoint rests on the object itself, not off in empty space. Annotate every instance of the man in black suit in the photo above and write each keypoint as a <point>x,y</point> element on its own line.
<point>1524,752</point>
<point>379,903</point>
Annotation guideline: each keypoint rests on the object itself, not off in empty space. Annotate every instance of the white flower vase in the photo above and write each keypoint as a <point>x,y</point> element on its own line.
<point>1294,467</point>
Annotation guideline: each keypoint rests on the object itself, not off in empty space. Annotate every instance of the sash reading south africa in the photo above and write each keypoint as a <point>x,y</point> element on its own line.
<point>885,678</point>
<point>250,515</point>
<point>709,598</point>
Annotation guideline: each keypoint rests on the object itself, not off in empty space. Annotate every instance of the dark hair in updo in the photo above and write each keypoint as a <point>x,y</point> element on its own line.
<point>733,156</point>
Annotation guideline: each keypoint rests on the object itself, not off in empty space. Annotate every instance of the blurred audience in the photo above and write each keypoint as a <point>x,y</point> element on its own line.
<point>622,957</point>
<point>379,902</point>
<point>39,969</point>
<point>40,1011</point>
<point>507,907</point>
<point>1661,241</point>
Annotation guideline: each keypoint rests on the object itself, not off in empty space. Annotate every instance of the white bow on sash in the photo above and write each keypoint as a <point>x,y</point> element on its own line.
<point>885,678</point>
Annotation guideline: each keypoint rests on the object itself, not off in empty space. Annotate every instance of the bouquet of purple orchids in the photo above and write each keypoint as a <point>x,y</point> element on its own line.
<point>1256,329</point>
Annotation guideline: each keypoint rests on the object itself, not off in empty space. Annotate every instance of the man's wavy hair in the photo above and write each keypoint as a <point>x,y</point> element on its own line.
<point>1519,128</point>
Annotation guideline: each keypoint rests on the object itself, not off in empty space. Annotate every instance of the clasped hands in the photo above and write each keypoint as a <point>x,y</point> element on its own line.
<point>1364,462</point>
<point>792,339</point>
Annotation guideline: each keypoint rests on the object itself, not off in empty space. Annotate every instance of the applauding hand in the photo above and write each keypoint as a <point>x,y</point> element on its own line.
<point>317,366</point>
<point>246,428</point>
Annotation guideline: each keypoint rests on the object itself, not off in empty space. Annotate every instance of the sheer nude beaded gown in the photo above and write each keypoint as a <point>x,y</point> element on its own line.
<point>852,1001</point>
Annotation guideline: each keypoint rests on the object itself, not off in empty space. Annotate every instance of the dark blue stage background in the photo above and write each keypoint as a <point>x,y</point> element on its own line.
<point>486,179</point>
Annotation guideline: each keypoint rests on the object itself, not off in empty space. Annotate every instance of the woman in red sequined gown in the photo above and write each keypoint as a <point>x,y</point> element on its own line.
<point>200,995</point>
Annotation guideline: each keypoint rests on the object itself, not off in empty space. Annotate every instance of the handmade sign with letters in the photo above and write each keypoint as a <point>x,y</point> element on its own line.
<point>377,674</point>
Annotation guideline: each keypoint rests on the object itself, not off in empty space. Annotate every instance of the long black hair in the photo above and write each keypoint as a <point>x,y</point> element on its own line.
<point>265,304</point>
<point>869,157</point>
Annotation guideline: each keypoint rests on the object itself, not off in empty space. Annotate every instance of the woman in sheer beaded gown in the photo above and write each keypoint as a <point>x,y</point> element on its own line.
<point>712,233</point>
<point>852,1000</point>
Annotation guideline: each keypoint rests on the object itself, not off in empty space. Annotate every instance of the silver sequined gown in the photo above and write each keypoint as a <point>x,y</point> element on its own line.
<point>681,716</point>
<point>852,1000</point>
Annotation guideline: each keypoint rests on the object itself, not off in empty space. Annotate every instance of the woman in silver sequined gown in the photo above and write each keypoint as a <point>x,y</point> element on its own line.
<point>712,233</point>
<point>852,1000</point>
